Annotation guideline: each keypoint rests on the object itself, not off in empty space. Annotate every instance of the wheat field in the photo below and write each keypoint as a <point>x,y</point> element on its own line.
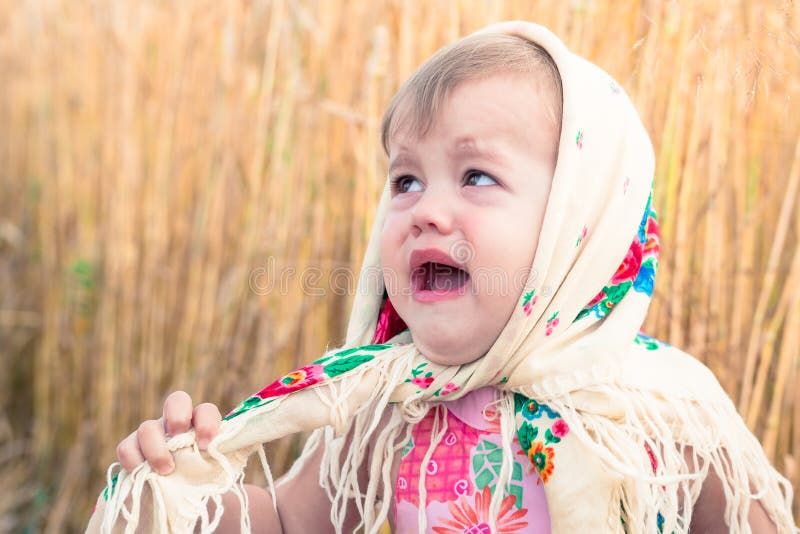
<point>185,186</point>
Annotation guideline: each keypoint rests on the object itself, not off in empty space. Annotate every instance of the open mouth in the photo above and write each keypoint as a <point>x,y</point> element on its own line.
<point>438,278</point>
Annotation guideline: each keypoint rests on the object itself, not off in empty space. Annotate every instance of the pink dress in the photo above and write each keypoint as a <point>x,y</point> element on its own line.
<point>462,474</point>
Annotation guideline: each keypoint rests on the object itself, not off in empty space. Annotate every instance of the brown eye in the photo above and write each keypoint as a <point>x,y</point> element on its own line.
<point>406,184</point>
<point>478,178</point>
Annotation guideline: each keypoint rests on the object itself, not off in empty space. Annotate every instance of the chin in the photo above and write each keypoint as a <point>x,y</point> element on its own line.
<point>455,353</point>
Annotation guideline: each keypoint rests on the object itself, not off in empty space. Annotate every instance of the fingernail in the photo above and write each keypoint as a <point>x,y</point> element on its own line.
<point>167,469</point>
<point>202,443</point>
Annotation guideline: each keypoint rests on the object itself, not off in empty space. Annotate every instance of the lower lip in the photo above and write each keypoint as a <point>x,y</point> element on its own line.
<point>438,295</point>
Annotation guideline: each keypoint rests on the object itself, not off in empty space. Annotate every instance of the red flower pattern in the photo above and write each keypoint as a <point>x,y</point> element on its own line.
<point>299,379</point>
<point>560,428</point>
<point>473,518</point>
<point>629,268</point>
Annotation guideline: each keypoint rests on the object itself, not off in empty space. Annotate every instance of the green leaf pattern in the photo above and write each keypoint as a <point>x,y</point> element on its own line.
<point>487,460</point>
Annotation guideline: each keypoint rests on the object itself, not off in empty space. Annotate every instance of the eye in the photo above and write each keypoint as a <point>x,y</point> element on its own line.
<point>478,178</point>
<point>405,184</point>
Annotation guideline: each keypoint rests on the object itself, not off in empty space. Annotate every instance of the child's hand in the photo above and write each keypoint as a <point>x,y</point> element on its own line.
<point>148,442</point>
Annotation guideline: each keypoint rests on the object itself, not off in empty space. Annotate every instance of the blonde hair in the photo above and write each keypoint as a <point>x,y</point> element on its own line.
<point>470,58</point>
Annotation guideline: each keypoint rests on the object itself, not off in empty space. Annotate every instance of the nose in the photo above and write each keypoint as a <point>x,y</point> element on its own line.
<point>433,212</point>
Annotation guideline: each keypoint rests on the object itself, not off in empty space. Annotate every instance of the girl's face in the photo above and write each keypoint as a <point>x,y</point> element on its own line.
<point>467,205</point>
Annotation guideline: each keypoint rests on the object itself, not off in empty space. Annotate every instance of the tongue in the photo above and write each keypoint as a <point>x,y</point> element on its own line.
<point>444,278</point>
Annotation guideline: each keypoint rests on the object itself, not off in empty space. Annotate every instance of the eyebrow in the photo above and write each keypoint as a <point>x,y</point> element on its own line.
<point>466,146</point>
<point>402,159</point>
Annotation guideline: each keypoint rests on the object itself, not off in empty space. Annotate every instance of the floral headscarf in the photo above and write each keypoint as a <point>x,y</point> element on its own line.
<point>606,413</point>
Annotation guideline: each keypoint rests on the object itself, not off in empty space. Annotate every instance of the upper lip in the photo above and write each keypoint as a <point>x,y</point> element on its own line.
<point>425,255</point>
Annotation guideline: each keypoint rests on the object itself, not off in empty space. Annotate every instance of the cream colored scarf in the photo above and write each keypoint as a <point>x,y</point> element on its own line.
<point>605,413</point>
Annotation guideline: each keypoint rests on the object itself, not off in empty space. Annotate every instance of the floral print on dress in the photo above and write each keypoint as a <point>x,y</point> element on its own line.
<point>447,473</point>
<point>473,517</point>
<point>462,475</point>
<point>487,461</point>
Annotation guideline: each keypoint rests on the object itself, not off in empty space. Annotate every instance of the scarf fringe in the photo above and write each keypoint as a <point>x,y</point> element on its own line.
<point>339,472</point>
<point>639,438</point>
<point>189,498</point>
<point>144,483</point>
<point>641,443</point>
<point>342,459</point>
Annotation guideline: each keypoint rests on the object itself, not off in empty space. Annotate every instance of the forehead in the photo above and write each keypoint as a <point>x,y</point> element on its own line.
<point>503,108</point>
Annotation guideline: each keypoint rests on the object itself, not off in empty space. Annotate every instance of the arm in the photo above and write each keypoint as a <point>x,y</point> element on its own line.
<point>303,505</point>
<point>708,516</point>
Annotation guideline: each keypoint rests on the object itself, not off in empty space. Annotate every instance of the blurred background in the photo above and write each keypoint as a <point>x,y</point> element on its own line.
<point>186,189</point>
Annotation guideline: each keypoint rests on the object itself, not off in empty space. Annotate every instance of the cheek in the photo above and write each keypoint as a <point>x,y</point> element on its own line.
<point>391,256</point>
<point>504,252</point>
<point>390,236</point>
<point>505,243</point>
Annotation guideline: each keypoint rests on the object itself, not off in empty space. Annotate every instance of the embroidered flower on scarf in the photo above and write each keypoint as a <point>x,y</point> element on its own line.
<point>421,378</point>
<point>299,379</point>
<point>552,322</point>
<point>579,139</point>
<point>600,296</point>
<point>646,279</point>
<point>529,301</point>
<point>601,304</point>
<point>108,491</point>
<point>560,428</point>
<point>351,353</point>
<point>652,457</point>
<point>637,270</point>
<point>648,342</point>
<point>542,458</point>
<point>582,236</point>
<point>248,404</point>
<point>530,410</point>
<point>446,390</point>
<point>652,240</point>
<point>627,270</point>
<point>422,381</point>
<point>473,518</point>
<point>325,367</point>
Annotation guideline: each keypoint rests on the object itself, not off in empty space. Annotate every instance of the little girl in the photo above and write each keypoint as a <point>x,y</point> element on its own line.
<point>494,379</point>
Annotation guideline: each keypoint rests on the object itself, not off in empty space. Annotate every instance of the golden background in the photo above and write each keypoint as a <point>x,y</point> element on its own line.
<point>165,165</point>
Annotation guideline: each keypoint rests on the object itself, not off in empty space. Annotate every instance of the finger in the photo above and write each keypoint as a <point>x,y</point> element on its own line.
<point>129,454</point>
<point>153,445</point>
<point>206,421</point>
<point>177,413</point>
